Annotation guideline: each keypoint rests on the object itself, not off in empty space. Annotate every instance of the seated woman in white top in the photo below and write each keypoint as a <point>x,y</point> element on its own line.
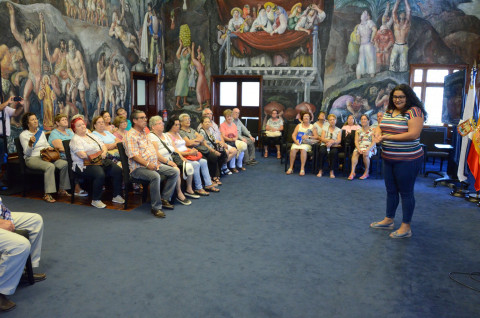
<point>331,140</point>
<point>164,147</point>
<point>273,134</point>
<point>200,167</point>
<point>301,135</point>
<point>364,146</point>
<point>33,140</point>
<point>86,148</point>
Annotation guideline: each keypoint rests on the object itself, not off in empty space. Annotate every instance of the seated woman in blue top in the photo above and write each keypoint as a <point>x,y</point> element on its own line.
<point>33,140</point>
<point>59,134</point>
<point>110,141</point>
<point>331,140</point>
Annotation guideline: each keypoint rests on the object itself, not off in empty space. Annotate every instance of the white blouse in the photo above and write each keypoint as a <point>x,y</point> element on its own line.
<point>86,144</point>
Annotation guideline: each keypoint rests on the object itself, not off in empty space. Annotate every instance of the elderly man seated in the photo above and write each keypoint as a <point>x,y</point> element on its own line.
<point>246,136</point>
<point>15,249</point>
<point>144,164</point>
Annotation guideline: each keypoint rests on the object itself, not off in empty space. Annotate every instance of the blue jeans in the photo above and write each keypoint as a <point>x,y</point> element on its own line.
<point>400,181</point>
<point>200,166</point>
<point>153,177</point>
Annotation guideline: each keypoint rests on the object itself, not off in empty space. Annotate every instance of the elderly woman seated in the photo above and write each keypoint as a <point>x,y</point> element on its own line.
<point>164,148</point>
<point>194,140</point>
<point>273,133</point>
<point>303,136</point>
<point>109,126</point>
<point>194,157</point>
<point>331,140</point>
<point>89,161</point>
<point>230,135</point>
<point>120,123</point>
<point>213,146</point>
<point>110,141</point>
<point>364,146</point>
<point>33,141</point>
<point>56,138</point>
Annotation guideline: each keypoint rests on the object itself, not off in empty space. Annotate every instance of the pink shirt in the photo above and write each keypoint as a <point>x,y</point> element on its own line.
<point>229,131</point>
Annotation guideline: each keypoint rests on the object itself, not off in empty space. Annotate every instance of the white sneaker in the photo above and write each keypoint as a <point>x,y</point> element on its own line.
<point>118,199</point>
<point>98,204</point>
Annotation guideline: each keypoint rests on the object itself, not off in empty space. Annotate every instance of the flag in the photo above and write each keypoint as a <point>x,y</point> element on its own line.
<point>467,114</point>
<point>473,159</point>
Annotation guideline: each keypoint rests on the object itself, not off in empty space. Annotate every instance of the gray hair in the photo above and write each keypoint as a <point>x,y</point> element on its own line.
<point>182,116</point>
<point>153,121</point>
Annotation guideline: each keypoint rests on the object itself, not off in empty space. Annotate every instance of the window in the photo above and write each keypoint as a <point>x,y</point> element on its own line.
<point>427,81</point>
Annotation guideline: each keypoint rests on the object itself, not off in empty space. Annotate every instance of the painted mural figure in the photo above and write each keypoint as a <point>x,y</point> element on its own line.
<point>121,89</point>
<point>78,76</point>
<point>311,17</point>
<point>155,31</point>
<point>101,71</point>
<point>203,92</point>
<point>247,18</point>
<point>59,62</point>
<point>181,88</point>
<point>32,53</point>
<point>295,14</point>
<point>236,22</point>
<point>47,96</point>
<point>261,23</point>
<point>160,71</point>
<point>110,84</point>
<point>280,21</point>
<point>117,31</point>
<point>7,64</point>
<point>353,48</point>
<point>384,41</point>
<point>192,77</point>
<point>367,58</point>
<point>401,28</point>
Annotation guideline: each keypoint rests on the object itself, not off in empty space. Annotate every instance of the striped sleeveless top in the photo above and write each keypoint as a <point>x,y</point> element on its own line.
<point>400,150</point>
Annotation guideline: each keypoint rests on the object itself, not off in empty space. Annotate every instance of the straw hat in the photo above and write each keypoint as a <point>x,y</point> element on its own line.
<point>271,4</point>
<point>295,6</point>
<point>240,12</point>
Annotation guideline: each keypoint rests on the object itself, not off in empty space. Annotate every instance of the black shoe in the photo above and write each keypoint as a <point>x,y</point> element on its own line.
<point>253,161</point>
<point>158,213</point>
<point>36,277</point>
<point>5,303</point>
<point>167,205</point>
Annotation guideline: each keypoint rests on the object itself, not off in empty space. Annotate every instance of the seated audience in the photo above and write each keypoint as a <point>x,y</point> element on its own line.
<point>120,123</point>
<point>213,146</point>
<point>193,156</point>
<point>320,124</point>
<point>122,112</point>
<point>194,140</point>
<point>229,133</point>
<point>350,125</point>
<point>379,119</point>
<point>245,136</point>
<point>331,142</point>
<point>144,165</point>
<point>33,141</point>
<point>108,139</point>
<point>364,146</point>
<point>108,121</point>
<point>215,131</point>
<point>273,134</point>
<point>15,250</point>
<point>164,147</point>
<point>302,136</point>
<point>57,136</point>
<point>89,161</point>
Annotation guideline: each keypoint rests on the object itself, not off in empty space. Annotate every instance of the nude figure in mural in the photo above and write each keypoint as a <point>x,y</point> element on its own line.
<point>110,84</point>
<point>366,30</point>
<point>58,60</point>
<point>384,41</point>
<point>7,69</point>
<point>32,53</point>
<point>401,28</point>
<point>101,70</point>
<point>203,92</point>
<point>117,31</point>
<point>120,77</point>
<point>78,76</point>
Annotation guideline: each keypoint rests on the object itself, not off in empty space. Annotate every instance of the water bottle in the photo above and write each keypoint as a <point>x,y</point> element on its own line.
<point>165,115</point>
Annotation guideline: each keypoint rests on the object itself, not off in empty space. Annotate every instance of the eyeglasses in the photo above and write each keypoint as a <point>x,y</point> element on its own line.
<point>399,97</point>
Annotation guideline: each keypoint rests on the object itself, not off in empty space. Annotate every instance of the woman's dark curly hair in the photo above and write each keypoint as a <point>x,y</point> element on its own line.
<point>170,123</point>
<point>25,119</point>
<point>411,100</point>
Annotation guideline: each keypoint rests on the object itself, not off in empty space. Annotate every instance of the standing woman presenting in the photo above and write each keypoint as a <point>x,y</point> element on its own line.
<point>399,133</point>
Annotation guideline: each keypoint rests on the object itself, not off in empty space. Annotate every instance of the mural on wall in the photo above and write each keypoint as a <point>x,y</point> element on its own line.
<point>75,57</point>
